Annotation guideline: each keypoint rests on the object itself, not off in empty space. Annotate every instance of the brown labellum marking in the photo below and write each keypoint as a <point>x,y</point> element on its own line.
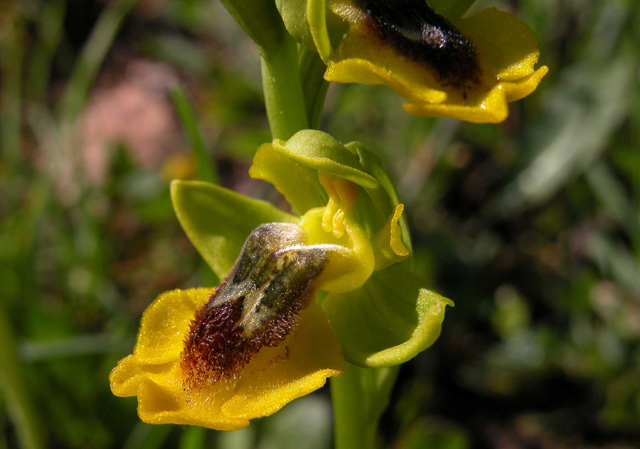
<point>413,29</point>
<point>256,306</point>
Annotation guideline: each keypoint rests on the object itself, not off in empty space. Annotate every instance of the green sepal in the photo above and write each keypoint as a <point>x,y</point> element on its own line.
<point>315,151</point>
<point>449,8</point>
<point>299,186</point>
<point>293,166</point>
<point>321,152</point>
<point>387,321</point>
<point>218,221</point>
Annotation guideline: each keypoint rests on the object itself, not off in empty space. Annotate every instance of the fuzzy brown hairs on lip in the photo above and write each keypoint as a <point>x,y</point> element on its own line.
<point>417,32</point>
<point>256,306</point>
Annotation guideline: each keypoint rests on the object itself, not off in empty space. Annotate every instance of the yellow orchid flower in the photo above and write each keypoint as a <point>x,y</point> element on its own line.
<point>218,357</point>
<point>467,68</point>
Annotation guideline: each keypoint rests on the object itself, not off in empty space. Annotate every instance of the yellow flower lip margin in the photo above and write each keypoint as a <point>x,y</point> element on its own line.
<point>274,377</point>
<point>507,53</point>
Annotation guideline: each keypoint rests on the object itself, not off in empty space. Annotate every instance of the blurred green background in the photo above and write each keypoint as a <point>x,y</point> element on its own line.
<point>532,227</point>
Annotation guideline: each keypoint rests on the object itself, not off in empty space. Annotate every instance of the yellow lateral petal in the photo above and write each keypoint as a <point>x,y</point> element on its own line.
<point>350,260</point>
<point>387,243</point>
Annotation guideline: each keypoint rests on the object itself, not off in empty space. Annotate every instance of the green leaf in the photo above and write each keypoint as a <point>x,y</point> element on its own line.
<point>217,220</point>
<point>319,151</point>
<point>387,321</point>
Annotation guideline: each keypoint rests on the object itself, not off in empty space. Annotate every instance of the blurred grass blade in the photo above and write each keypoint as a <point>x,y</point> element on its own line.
<point>612,195</point>
<point>616,261</point>
<point>147,436</point>
<point>193,438</point>
<point>583,111</point>
<point>307,419</point>
<point>77,346</point>
<point>204,161</point>
<point>50,28</point>
<point>11,56</point>
<point>92,57</point>
<point>237,439</point>
<point>21,410</point>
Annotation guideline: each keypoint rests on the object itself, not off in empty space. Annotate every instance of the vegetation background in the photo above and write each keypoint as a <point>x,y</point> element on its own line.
<point>532,227</point>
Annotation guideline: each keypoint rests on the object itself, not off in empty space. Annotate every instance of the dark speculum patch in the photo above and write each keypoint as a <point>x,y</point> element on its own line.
<point>413,29</point>
<point>256,306</point>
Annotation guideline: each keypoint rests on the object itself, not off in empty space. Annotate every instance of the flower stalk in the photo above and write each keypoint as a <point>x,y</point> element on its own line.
<point>283,95</point>
<point>359,398</point>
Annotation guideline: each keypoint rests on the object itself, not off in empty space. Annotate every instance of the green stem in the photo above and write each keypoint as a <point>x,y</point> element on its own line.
<point>20,407</point>
<point>294,92</point>
<point>283,93</point>
<point>359,397</point>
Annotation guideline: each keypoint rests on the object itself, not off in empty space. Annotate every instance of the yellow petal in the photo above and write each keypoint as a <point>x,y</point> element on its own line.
<point>279,375</point>
<point>125,378</point>
<point>387,243</point>
<point>274,377</point>
<point>164,324</point>
<point>350,257</point>
<point>507,54</point>
<point>162,399</point>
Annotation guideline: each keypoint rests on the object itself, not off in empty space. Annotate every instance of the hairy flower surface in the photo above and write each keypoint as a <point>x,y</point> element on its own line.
<point>467,68</point>
<point>220,357</point>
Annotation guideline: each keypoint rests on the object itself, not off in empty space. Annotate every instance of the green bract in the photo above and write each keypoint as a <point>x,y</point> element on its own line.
<point>308,23</point>
<point>342,196</point>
